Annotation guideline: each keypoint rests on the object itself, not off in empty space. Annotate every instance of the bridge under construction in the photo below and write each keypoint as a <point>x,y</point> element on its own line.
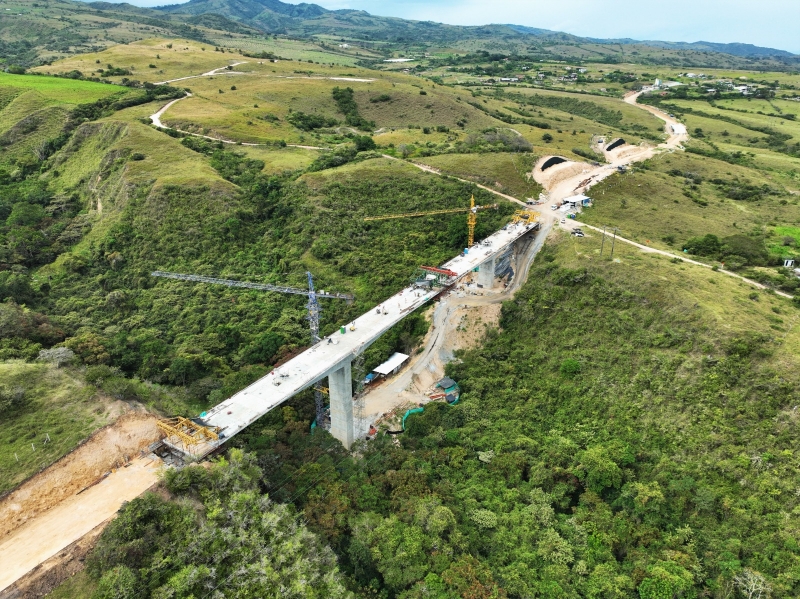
<point>332,356</point>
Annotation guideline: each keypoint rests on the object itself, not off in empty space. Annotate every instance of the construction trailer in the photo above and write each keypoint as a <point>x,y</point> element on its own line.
<point>578,201</point>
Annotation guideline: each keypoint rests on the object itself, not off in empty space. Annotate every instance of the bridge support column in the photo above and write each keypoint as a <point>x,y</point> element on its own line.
<point>340,384</point>
<point>486,274</point>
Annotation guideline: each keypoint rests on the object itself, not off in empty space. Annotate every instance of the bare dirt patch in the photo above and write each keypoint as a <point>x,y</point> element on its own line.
<point>108,448</point>
<point>48,575</point>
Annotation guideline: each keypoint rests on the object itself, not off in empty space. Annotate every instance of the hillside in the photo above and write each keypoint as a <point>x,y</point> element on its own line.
<point>44,30</point>
<point>627,428</point>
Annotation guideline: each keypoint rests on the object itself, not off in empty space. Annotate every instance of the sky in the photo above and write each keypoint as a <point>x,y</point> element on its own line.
<point>771,23</point>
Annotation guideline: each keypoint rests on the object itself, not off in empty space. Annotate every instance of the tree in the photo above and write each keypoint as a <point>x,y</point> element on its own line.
<point>752,584</point>
<point>231,541</point>
<point>547,138</point>
<point>57,356</point>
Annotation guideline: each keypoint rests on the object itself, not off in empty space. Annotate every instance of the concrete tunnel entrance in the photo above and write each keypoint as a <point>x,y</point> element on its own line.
<point>552,162</point>
<point>615,144</point>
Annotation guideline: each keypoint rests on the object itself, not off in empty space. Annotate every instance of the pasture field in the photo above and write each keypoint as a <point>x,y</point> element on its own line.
<point>57,90</point>
<point>277,161</point>
<point>724,305</point>
<point>651,206</point>
<point>505,172</point>
<point>58,404</point>
<point>298,50</point>
<point>171,58</point>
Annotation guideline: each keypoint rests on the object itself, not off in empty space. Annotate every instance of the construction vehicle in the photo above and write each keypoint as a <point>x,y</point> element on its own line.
<point>472,217</point>
<point>312,306</point>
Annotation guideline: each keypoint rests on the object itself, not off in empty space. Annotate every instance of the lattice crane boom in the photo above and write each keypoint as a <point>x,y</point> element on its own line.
<point>472,216</point>
<point>312,306</point>
<point>249,285</point>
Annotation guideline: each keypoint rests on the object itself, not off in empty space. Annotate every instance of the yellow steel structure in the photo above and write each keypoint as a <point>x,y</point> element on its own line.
<point>524,216</point>
<point>187,432</point>
<point>472,220</point>
<point>472,217</point>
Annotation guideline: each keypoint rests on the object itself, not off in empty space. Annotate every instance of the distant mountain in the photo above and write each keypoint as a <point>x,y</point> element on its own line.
<point>246,9</point>
<point>735,49</point>
<point>274,16</point>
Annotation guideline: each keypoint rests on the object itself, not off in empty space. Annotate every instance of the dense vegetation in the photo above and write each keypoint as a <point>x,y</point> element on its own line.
<point>612,439</point>
<point>223,538</point>
<point>345,101</point>
<point>637,452</point>
<point>270,230</point>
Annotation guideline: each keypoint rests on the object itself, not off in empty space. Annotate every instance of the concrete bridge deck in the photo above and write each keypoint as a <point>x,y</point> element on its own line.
<point>332,356</point>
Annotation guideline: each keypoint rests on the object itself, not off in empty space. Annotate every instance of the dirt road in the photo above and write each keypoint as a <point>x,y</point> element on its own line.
<point>213,73</point>
<point>459,319</point>
<point>46,535</point>
<point>59,505</point>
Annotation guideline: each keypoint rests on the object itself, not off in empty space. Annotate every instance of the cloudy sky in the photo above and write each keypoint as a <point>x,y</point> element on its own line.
<point>771,23</point>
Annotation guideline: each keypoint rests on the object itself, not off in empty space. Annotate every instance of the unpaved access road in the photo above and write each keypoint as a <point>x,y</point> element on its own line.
<point>458,322</point>
<point>459,319</point>
<point>49,533</point>
<point>59,505</point>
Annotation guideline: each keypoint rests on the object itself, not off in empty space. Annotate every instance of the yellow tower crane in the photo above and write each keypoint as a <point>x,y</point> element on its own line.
<point>472,217</point>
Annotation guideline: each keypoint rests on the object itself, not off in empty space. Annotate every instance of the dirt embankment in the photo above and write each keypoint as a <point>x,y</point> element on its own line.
<point>108,448</point>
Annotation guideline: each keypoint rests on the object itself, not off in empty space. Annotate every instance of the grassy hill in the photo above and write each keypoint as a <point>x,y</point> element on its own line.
<point>44,30</point>
<point>627,431</point>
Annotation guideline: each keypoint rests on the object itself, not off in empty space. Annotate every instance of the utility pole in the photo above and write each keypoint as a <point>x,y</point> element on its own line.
<point>603,242</point>
<point>613,240</point>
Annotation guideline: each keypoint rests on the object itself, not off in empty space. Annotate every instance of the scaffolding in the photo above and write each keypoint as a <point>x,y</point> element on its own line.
<point>188,436</point>
<point>359,397</point>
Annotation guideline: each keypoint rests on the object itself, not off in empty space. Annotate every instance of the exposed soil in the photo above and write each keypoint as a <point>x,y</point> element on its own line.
<point>47,535</point>
<point>48,575</point>
<point>108,448</point>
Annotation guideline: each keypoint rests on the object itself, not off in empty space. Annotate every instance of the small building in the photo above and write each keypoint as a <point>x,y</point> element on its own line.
<point>578,201</point>
<point>392,365</point>
<point>450,389</point>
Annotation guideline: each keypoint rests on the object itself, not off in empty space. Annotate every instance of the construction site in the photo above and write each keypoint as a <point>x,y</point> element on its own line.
<point>66,506</point>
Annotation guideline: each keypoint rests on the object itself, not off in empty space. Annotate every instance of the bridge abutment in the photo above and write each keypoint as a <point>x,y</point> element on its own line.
<point>340,385</point>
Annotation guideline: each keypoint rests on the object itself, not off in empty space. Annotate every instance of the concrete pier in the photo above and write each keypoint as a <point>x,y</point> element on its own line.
<point>485,274</point>
<point>340,385</point>
<point>333,355</point>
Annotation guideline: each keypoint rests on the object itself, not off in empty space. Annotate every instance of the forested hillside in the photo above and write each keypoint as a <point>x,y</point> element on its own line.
<point>626,429</point>
<point>613,439</point>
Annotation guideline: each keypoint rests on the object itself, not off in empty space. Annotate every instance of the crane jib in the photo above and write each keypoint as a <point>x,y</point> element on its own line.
<point>248,285</point>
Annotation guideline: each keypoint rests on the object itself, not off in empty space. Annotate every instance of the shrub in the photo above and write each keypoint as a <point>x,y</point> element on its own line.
<point>570,367</point>
<point>308,122</point>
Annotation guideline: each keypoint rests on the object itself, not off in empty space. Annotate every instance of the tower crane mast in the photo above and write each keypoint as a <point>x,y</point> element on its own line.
<point>312,306</point>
